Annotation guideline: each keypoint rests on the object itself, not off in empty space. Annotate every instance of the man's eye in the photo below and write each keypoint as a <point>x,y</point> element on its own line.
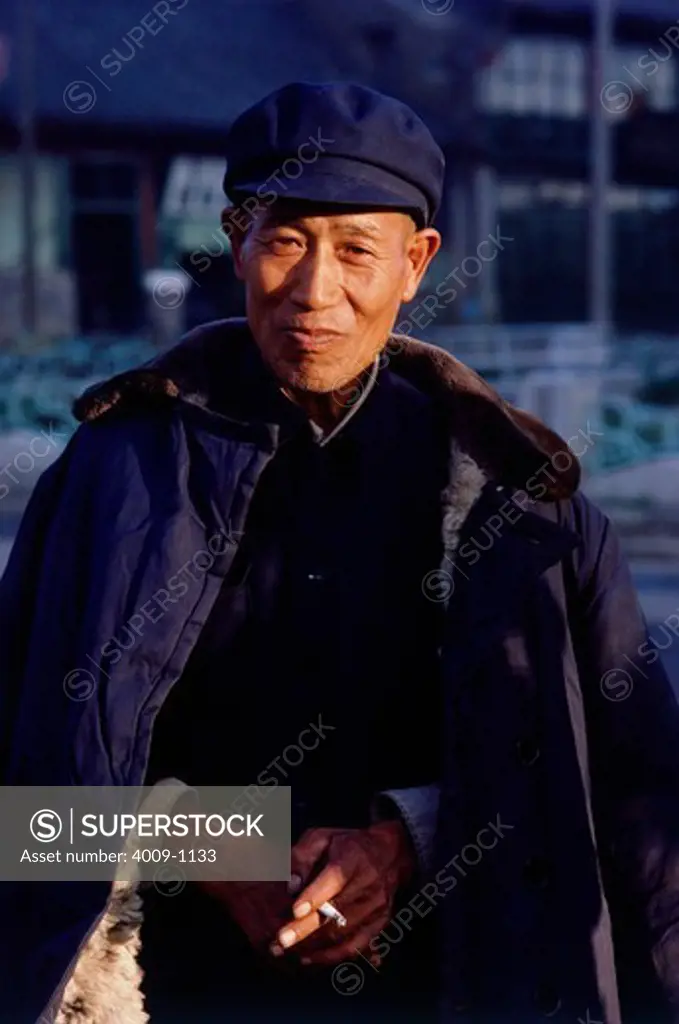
<point>358,250</point>
<point>283,242</point>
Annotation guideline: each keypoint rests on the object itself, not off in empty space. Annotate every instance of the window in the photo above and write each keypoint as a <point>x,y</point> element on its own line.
<point>536,76</point>
<point>543,277</point>
<point>102,179</point>
<point>548,76</point>
<point>650,72</point>
<point>50,209</point>
<point>194,190</point>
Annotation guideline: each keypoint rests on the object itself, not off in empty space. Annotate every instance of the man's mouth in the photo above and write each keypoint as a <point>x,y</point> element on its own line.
<point>308,339</point>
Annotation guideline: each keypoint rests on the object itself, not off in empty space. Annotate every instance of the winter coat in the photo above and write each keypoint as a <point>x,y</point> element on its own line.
<point>562,732</point>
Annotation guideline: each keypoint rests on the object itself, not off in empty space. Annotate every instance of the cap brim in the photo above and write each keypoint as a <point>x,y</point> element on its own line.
<point>322,183</point>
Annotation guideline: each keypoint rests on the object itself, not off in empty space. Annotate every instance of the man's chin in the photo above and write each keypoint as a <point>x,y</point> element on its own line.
<point>310,379</point>
<point>309,383</point>
<point>315,379</point>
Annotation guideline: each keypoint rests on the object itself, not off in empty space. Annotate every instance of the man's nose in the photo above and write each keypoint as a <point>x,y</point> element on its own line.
<point>316,280</point>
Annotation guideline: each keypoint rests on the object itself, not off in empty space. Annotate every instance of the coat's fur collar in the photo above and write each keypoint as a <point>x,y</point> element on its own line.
<point>510,445</point>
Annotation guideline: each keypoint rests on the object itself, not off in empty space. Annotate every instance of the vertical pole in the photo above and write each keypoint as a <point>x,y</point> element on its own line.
<point>601,266</point>
<point>487,223</point>
<point>27,151</point>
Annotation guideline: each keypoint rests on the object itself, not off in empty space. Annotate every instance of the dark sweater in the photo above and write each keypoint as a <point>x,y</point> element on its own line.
<point>323,617</point>
<point>322,620</point>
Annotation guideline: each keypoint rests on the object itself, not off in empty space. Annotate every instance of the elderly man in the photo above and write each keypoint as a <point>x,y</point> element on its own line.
<point>414,595</point>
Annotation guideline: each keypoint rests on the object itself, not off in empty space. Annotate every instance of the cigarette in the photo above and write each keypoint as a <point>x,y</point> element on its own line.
<point>333,914</point>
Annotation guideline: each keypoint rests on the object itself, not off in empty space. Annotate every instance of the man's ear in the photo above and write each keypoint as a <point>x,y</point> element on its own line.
<point>422,248</point>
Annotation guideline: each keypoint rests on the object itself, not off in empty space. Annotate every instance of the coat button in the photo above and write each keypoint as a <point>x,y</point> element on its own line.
<point>527,751</point>
<point>315,576</point>
<point>536,871</point>
<point>547,1000</point>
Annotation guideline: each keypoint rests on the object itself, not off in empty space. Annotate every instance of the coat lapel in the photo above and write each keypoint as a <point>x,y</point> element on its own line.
<point>492,563</point>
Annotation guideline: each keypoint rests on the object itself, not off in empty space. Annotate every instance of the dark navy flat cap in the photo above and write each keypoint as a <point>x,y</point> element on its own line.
<point>336,142</point>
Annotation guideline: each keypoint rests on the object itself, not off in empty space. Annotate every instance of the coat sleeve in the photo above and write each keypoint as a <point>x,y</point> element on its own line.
<point>417,806</point>
<point>633,738</point>
<point>18,591</point>
<point>49,566</point>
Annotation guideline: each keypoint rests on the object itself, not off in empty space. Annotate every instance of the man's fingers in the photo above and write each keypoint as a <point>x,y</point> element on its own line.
<point>345,950</point>
<point>348,947</point>
<point>365,913</point>
<point>292,933</point>
<point>326,886</point>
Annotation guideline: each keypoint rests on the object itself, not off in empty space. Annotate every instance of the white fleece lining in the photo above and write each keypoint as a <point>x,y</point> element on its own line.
<point>102,985</point>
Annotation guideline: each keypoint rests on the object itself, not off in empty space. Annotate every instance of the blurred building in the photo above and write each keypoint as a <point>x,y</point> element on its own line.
<point>128,107</point>
<point>536,100</point>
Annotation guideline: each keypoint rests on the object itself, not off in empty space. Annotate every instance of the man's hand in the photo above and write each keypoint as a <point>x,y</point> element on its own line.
<point>361,871</point>
<point>258,908</point>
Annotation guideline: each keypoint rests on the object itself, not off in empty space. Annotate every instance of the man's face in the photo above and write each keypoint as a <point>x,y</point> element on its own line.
<point>323,289</point>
